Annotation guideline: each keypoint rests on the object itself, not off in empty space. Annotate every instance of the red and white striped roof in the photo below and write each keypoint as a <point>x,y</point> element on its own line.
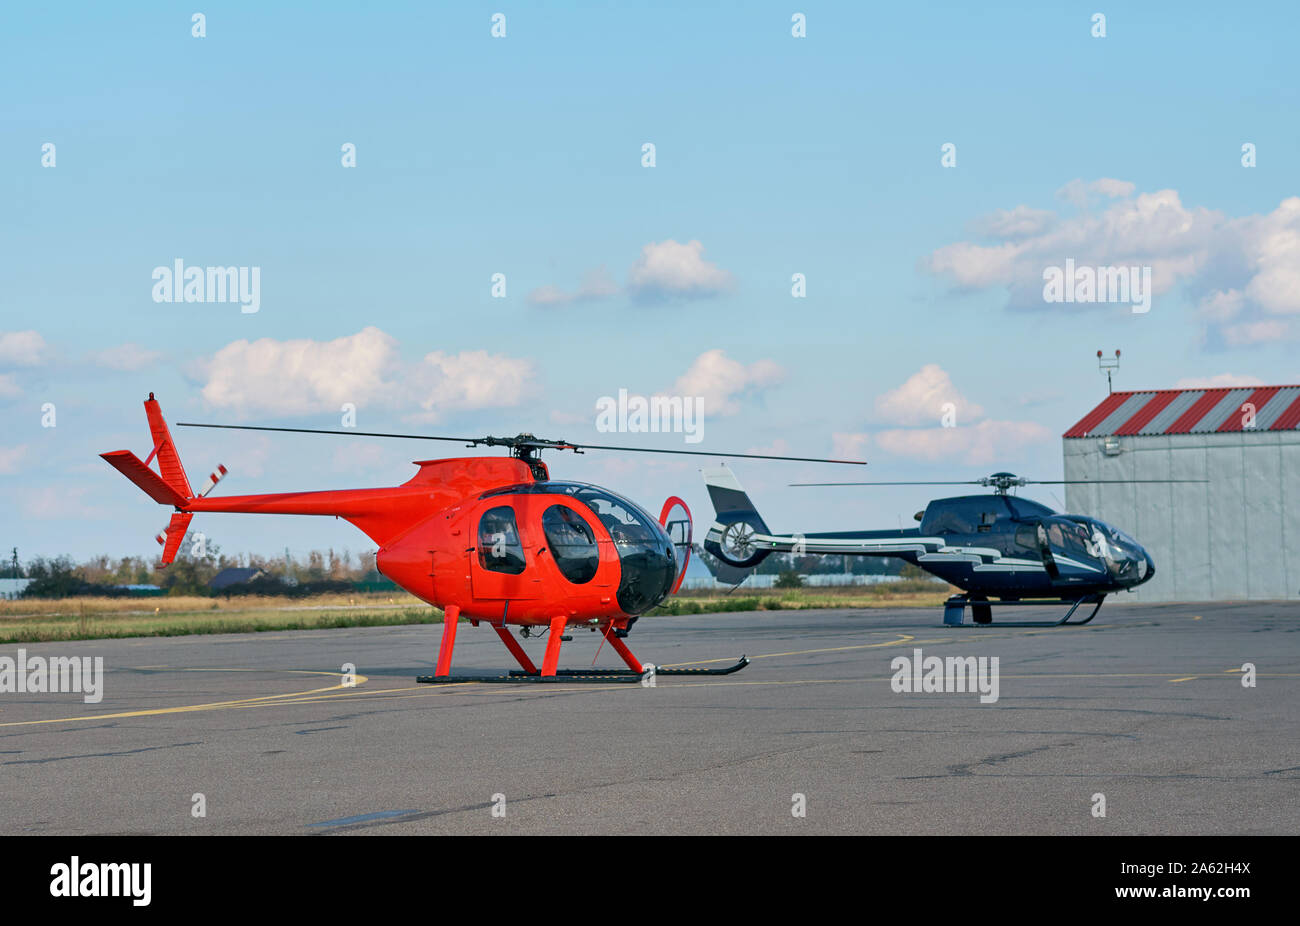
<point>1191,411</point>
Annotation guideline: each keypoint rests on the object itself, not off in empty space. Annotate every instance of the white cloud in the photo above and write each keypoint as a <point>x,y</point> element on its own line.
<point>9,388</point>
<point>22,349</point>
<point>1011,224</point>
<point>723,381</point>
<point>1271,246</point>
<point>303,376</point>
<point>921,400</point>
<point>1239,271</point>
<point>11,458</point>
<point>472,379</point>
<point>596,285</point>
<point>1260,332</point>
<point>1078,192</point>
<point>987,442</point>
<point>669,270</point>
<point>127,357</point>
<point>1219,381</point>
<point>1114,188</point>
<point>1221,306</point>
<point>919,406</point>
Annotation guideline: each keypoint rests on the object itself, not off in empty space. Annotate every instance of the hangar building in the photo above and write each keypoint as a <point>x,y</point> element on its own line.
<point>1233,537</point>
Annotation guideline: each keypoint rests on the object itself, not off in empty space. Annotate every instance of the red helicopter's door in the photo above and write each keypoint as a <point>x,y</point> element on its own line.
<point>675,518</point>
<point>502,562</point>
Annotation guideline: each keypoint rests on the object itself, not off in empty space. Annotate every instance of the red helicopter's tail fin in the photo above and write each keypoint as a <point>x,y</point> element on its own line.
<point>133,468</point>
<point>168,486</point>
<point>169,460</point>
<point>173,534</point>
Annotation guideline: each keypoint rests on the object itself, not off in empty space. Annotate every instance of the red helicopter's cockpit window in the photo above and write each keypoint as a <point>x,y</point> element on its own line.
<point>572,544</point>
<point>646,556</point>
<point>499,549</point>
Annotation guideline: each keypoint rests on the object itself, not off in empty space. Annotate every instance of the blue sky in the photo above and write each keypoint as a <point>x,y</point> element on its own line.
<point>522,155</point>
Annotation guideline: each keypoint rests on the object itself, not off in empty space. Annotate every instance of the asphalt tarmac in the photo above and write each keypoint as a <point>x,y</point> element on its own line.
<point>1146,706</point>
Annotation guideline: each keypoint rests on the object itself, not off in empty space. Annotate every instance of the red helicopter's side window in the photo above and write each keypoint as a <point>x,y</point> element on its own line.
<point>498,541</point>
<point>572,544</point>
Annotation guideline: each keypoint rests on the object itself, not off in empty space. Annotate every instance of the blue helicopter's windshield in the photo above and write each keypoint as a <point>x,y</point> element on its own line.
<point>1123,556</point>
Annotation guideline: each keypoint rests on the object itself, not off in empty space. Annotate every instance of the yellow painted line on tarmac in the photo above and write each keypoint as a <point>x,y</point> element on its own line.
<point>265,700</point>
<point>1175,681</point>
<point>903,638</point>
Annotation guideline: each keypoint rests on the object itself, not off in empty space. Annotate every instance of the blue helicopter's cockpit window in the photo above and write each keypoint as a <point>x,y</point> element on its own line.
<point>1027,537</point>
<point>572,544</point>
<point>1076,540</point>
<point>499,549</point>
<point>969,515</point>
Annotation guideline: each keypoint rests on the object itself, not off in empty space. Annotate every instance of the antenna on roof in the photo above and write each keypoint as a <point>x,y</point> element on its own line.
<point>1108,364</point>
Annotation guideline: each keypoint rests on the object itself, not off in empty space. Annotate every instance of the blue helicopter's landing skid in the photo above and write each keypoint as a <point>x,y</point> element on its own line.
<point>954,611</point>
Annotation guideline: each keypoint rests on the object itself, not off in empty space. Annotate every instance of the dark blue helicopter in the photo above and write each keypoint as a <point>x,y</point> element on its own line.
<point>989,546</point>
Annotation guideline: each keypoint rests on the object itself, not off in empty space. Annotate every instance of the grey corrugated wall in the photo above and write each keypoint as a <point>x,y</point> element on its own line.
<point>1234,537</point>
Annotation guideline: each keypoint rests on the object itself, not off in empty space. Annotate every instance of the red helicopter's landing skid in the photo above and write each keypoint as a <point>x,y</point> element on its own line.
<point>635,672</point>
<point>982,611</point>
<point>515,677</point>
<point>579,675</point>
<point>658,670</point>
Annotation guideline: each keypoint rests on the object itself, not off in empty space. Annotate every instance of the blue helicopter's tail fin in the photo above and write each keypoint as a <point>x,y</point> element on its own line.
<point>730,538</point>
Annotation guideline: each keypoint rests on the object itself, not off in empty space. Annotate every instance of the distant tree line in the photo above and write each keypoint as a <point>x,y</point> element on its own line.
<point>197,562</point>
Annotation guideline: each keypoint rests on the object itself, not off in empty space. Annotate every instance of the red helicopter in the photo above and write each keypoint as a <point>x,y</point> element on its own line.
<point>494,540</point>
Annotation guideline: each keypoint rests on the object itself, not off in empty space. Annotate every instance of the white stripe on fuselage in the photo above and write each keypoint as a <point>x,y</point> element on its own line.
<point>928,550</point>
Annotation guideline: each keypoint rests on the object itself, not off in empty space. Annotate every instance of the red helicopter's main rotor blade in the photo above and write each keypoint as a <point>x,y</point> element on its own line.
<point>521,441</point>
<point>963,483</point>
<point>1089,482</point>
<point>716,453</point>
<point>251,427</point>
